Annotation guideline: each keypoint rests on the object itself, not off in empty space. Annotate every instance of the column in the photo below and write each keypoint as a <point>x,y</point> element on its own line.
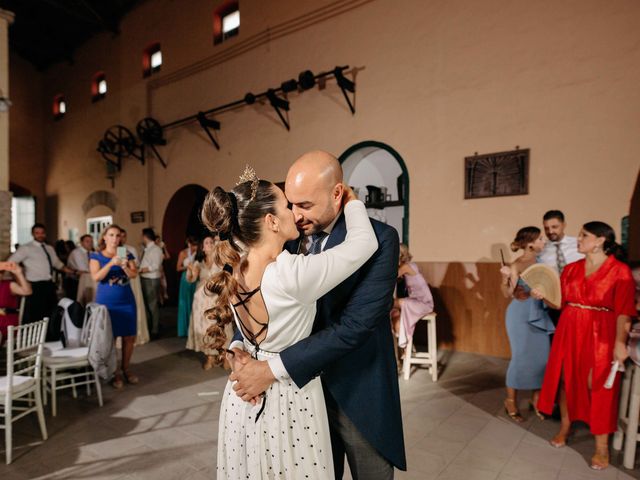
<point>6,19</point>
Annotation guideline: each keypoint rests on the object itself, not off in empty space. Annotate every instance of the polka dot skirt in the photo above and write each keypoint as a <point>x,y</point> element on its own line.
<point>290,439</point>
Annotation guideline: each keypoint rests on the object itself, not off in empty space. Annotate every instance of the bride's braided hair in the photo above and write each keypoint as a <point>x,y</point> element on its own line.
<point>237,217</point>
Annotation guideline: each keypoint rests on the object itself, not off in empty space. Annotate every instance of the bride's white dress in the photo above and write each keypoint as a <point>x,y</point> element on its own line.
<point>288,436</point>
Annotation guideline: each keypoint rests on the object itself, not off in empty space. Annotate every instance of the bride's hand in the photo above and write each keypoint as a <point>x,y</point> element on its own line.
<point>348,194</point>
<point>237,359</point>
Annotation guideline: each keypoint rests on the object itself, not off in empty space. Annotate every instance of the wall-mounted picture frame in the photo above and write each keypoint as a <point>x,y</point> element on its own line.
<point>498,174</point>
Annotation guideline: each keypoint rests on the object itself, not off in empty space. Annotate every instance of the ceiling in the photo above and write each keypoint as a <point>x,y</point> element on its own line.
<point>50,31</point>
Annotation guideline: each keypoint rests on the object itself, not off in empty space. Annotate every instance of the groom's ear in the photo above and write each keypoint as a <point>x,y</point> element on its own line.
<point>338,191</point>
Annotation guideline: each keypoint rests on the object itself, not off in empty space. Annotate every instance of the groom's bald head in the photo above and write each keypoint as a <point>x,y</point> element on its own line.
<point>314,188</point>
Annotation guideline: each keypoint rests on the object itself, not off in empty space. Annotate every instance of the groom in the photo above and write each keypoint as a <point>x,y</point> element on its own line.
<point>351,347</point>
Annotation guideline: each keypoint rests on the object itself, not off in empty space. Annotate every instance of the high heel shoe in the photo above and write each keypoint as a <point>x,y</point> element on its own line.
<point>560,440</point>
<point>538,413</point>
<point>600,460</point>
<point>514,415</point>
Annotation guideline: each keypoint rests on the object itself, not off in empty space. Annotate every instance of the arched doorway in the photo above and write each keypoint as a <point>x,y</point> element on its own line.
<point>382,180</point>
<point>181,218</point>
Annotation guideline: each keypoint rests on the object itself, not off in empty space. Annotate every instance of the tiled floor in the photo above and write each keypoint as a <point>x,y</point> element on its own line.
<point>166,428</point>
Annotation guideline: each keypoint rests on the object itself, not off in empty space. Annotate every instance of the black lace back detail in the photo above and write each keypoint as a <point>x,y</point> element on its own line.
<point>246,331</point>
<point>249,335</point>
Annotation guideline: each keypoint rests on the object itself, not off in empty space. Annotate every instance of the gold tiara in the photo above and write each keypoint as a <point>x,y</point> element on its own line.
<point>249,175</point>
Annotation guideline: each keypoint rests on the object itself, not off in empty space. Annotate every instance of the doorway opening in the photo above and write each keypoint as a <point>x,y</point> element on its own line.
<point>181,219</point>
<point>381,179</point>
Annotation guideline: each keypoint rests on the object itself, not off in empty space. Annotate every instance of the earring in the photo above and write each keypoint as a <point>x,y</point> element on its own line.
<point>595,249</point>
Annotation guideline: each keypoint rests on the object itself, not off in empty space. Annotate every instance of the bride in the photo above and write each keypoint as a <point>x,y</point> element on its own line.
<point>271,296</point>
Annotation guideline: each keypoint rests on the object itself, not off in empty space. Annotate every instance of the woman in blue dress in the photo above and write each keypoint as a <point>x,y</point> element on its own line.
<point>112,274</point>
<point>187,289</point>
<point>528,325</point>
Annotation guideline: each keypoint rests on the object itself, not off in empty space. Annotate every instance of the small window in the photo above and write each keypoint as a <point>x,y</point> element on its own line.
<point>59,107</point>
<point>151,59</point>
<point>98,86</point>
<point>230,24</point>
<point>226,21</point>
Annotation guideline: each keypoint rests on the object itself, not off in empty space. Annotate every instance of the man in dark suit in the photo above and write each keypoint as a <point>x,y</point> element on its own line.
<point>351,346</point>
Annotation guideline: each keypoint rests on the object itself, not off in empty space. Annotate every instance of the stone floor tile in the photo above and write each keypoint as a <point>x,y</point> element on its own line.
<point>465,472</point>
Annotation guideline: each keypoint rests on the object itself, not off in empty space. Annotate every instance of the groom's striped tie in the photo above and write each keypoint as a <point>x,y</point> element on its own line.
<point>316,243</point>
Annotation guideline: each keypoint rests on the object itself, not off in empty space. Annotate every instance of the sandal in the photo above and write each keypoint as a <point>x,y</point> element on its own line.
<point>560,440</point>
<point>131,378</point>
<point>117,382</point>
<point>600,461</point>
<point>515,415</point>
<point>538,413</point>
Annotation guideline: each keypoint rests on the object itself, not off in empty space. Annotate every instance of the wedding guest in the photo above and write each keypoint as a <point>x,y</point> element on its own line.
<point>528,325</point>
<point>112,273</point>
<point>13,285</point>
<point>130,248</point>
<point>79,261</point>
<point>142,335</point>
<point>70,246</point>
<point>62,250</point>
<point>561,249</point>
<point>200,271</point>
<point>164,287</point>
<point>411,309</point>
<point>39,261</point>
<point>187,289</point>
<point>150,273</point>
<point>598,303</point>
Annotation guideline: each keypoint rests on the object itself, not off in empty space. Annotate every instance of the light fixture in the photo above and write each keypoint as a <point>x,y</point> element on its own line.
<point>278,104</point>
<point>206,124</point>
<point>289,86</point>
<point>345,85</point>
<point>307,80</point>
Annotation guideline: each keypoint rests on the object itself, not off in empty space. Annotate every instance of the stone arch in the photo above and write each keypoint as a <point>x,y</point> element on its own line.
<point>100,197</point>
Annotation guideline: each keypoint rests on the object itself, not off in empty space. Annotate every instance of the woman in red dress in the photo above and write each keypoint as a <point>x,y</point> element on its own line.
<point>597,305</point>
<point>12,284</point>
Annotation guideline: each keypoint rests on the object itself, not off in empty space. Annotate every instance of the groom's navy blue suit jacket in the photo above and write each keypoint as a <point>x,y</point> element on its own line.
<point>351,346</point>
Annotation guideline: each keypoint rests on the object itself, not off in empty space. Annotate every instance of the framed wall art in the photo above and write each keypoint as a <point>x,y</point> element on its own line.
<point>497,174</point>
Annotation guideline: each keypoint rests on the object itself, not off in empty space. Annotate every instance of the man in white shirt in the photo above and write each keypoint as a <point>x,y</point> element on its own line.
<point>150,273</point>
<point>130,248</point>
<point>561,249</point>
<point>39,261</point>
<point>79,261</point>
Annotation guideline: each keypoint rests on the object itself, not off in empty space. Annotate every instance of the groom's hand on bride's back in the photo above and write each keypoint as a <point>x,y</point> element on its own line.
<point>252,378</point>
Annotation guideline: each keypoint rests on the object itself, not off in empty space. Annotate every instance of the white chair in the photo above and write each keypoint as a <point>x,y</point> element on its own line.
<point>429,358</point>
<point>23,300</point>
<point>20,388</point>
<point>67,368</point>
<point>627,432</point>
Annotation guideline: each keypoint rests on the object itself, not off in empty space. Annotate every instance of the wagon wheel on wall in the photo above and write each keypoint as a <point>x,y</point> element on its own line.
<point>117,143</point>
<point>151,134</point>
